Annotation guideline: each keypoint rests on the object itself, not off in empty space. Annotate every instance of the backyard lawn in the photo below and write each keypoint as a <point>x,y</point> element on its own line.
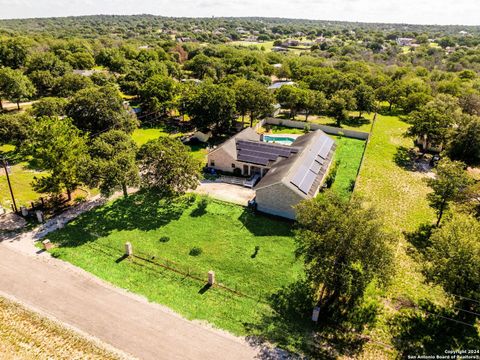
<point>399,195</point>
<point>142,136</point>
<point>250,254</point>
<point>21,178</point>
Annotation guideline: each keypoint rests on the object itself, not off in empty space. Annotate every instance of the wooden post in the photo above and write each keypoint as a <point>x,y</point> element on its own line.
<point>211,277</point>
<point>128,249</point>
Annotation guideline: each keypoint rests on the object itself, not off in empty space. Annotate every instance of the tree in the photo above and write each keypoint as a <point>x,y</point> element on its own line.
<point>14,52</point>
<point>312,102</point>
<point>71,83</point>
<point>343,248</point>
<point>15,86</point>
<point>49,106</point>
<point>252,98</point>
<point>450,184</point>
<point>290,97</point>
<point>97,109</point>
<point>43,80</point>
<point>365,99</point>
<point>454,258</point>
<point>339,105</point>
<point>470,103</point>
<point>464,142</point>
<point>59,148</point>
<point>112,163</point>
<point>211,105</point>
<point>15,128</point>
<point>433,122</point>
<point>391,93</point>
<point>159,93</point>
<point>167,166</point>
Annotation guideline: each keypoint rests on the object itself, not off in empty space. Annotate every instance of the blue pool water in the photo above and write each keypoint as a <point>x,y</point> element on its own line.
<point>278,139</point>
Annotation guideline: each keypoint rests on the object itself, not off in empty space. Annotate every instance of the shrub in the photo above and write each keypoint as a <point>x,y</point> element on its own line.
<point>164,239</point>
<point>332,174</point>
<point>195,251</point>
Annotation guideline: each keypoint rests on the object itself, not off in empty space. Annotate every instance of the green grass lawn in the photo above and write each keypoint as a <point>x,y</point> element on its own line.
<point>227,234</point>
<point>142,136</point>
<point>400,197</point>
<point>21,178</point>
<point>349,155</point>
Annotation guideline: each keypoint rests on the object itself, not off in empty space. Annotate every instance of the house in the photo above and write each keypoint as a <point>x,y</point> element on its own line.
<point>279,49</point>
<point>289,173</point>
<point>405,41</point>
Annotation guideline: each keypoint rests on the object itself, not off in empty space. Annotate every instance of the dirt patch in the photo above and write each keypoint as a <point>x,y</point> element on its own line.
<point>226,192</point>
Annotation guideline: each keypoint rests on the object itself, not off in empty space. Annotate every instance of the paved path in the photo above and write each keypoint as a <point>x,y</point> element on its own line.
<point>123,320</point>
<point>226,192</point>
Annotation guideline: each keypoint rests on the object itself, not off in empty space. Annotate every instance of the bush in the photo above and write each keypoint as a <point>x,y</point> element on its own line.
<point>164,239</point>
<point>306,128</point>
<point>195,251</point>
<point>332,174</point>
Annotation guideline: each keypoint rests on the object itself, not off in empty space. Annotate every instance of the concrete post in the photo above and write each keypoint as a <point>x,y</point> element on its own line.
<point>128,249</point>
<point>211,277</point>
<point>24,210</point>
<point>316,313</point>
<point>39,214</point>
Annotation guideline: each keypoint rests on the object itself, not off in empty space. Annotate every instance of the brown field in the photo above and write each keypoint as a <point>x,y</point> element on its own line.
<point>26,335</point>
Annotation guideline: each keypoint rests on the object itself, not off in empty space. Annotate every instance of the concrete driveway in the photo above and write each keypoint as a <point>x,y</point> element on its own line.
<point>235,194</point>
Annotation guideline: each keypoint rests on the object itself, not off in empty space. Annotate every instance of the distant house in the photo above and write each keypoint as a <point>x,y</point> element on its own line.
<point>289,173</point>
<point>404,41</point>
<point>279,49</point>
<point>87,73</point>
<point>279,84</point>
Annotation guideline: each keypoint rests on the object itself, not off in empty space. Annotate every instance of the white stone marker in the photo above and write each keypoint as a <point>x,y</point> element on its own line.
<point>128,249</point>
<point>211,277</point>
<point>316,313</point>
<point>39,214</point>
<point>24,210</point>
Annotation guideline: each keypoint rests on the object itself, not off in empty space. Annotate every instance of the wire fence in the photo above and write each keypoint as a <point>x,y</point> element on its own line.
<point>156,263</point>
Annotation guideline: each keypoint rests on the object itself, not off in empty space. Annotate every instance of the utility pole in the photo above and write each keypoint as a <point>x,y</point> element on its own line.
<point>9,185</point>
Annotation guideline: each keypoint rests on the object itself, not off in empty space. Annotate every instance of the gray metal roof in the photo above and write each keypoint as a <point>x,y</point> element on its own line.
<point>262,153</point>
<point>230,146</point>
<point>303,171</point>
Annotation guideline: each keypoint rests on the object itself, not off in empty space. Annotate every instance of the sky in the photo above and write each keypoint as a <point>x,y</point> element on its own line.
<point>461,12</point>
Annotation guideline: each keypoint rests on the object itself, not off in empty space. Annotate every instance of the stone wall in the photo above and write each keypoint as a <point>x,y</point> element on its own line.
<point>277,200</point>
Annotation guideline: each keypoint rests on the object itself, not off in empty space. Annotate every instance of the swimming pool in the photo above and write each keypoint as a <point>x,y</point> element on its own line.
<point>284,140</point>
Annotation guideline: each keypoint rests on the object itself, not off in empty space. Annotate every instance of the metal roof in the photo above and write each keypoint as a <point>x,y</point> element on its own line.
<point>262,153</point>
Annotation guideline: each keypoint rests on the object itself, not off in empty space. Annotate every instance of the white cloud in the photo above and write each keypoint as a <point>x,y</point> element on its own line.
<point>404,11</point>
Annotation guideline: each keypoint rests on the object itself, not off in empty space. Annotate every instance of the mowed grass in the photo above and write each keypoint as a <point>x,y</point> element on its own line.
<point>21,178</point>
<point>349,156</point>
<point>142,136</point>
<point>159,230</point>
<point>26,335</point>
<point>400,197</point>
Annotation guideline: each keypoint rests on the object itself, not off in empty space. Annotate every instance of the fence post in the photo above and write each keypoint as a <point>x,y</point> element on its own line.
<point>211,277</point>
<point>316,313</point>
<point>39,216</point>
<point>128,249</point>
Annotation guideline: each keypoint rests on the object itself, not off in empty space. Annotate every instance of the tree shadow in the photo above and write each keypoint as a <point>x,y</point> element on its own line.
<point>420,238</point>
<point>429,329</point>
<point>260,224</point>
<point>289,326</point>
<point>355,121</point>
<point>144,210</point>
<point>405,158</point>
<point>201,208</point>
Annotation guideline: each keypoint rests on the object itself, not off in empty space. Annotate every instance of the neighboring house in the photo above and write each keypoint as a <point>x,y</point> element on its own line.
<point>87,73</point>
<point>289,174</point>
<point>405,41</point>
<point>279,49</point>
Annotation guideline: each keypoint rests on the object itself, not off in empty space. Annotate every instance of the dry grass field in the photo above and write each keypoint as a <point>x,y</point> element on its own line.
<point>26,335</point>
